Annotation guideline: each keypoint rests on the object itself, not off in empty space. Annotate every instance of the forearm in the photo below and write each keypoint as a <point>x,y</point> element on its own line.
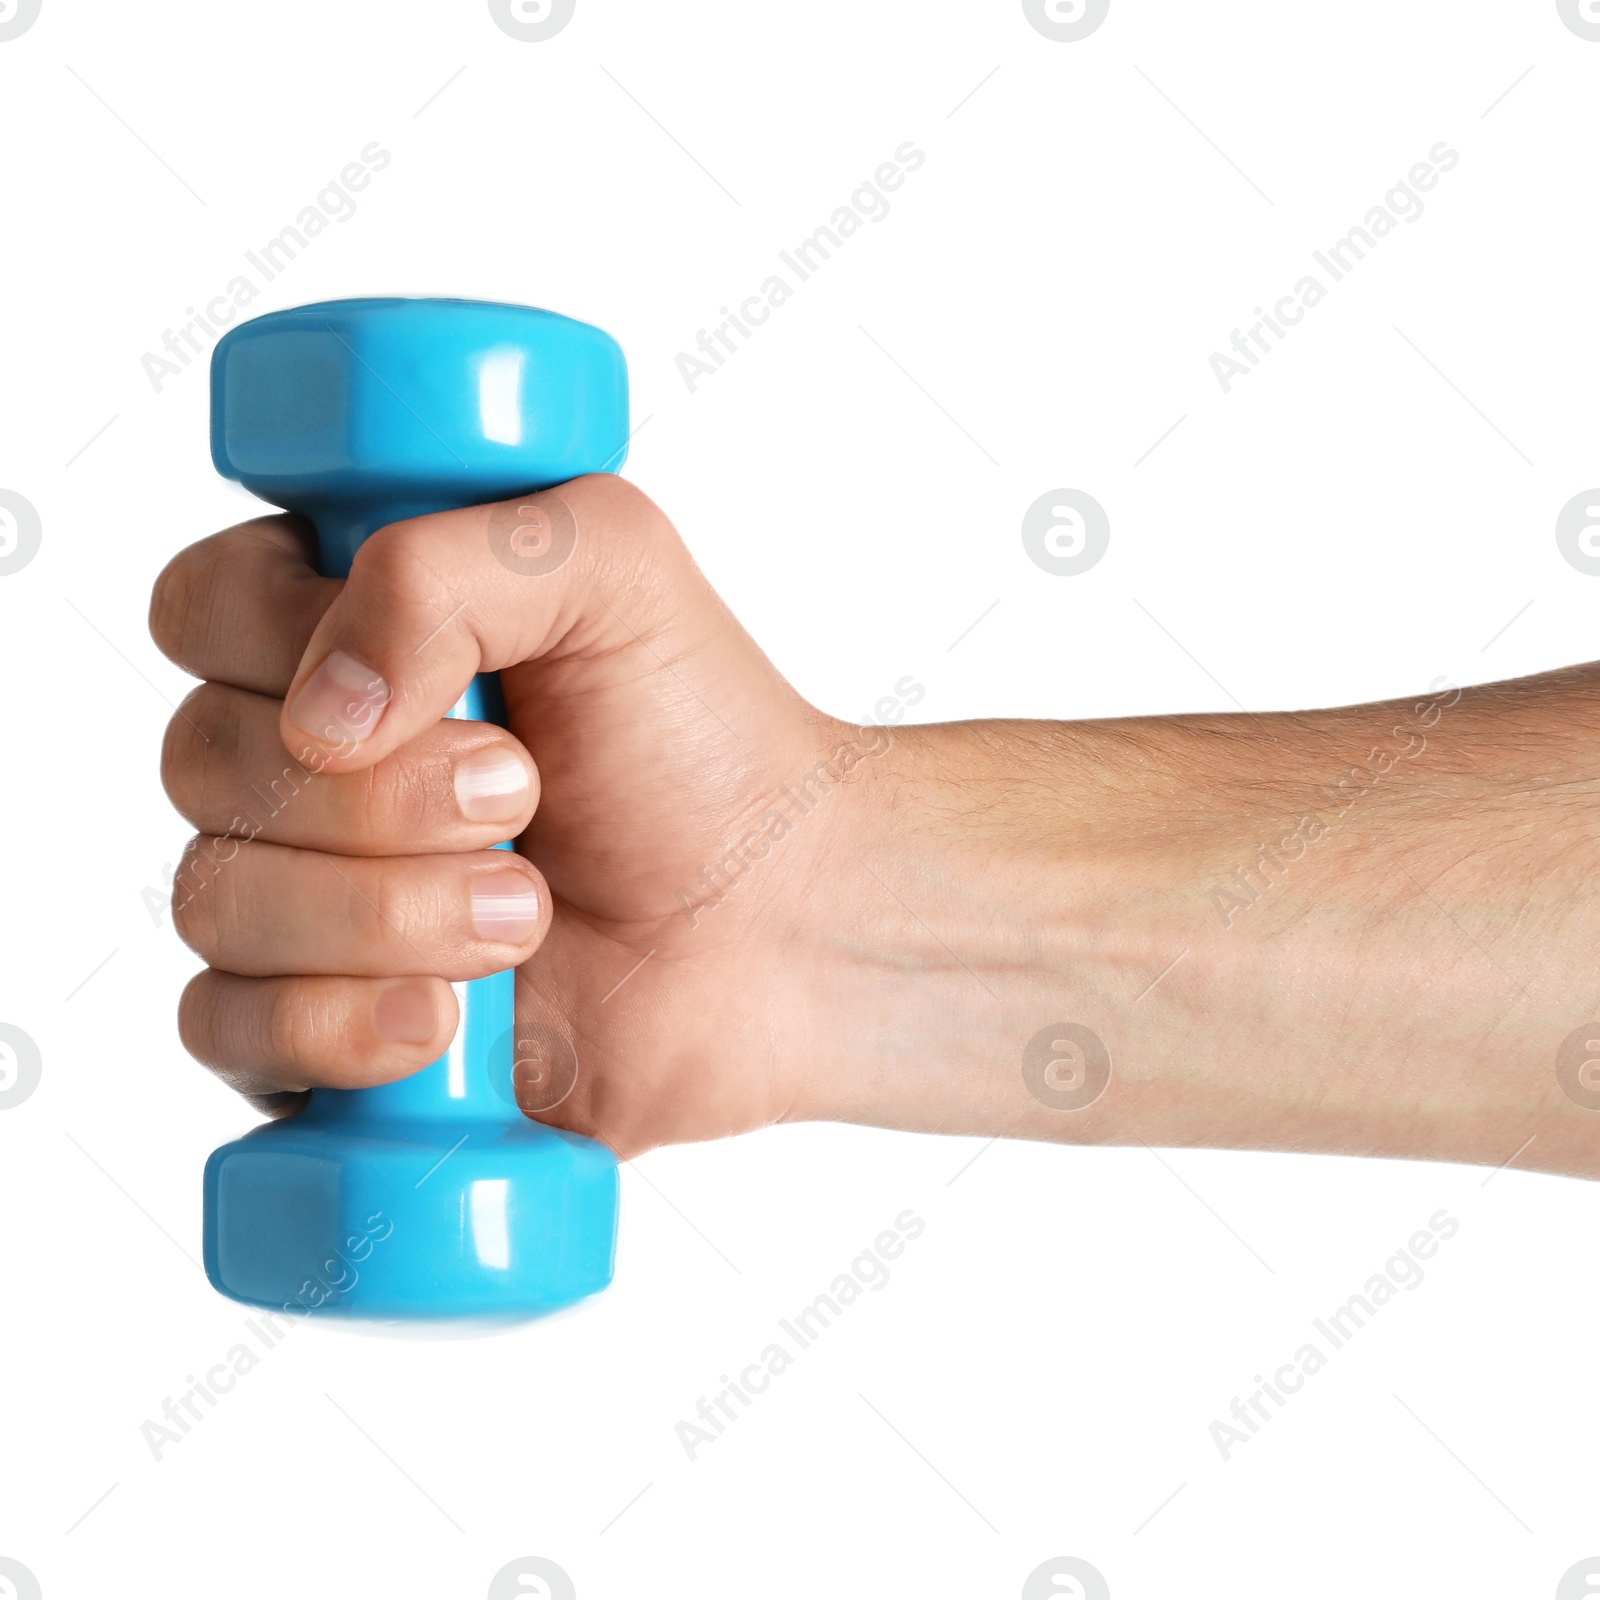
<point>1271,961</point>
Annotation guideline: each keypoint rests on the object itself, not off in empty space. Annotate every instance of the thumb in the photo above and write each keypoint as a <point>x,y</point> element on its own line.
<point>433,600</point>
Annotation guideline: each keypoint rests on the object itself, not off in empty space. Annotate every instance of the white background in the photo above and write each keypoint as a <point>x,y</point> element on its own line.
<point>1372,507</point>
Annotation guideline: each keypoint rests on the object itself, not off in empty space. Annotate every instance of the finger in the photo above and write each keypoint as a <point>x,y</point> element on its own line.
<point>264,910</point>
<point>271,1038</point>
<point>433,600</point>
<point>241,606</point>
<point>456,786</point>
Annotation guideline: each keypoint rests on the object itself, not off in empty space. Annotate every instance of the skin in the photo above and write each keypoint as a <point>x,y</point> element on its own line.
<point>1391,968</point>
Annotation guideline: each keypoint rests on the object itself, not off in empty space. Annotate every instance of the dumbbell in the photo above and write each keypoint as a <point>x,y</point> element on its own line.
<point>433,1198</point>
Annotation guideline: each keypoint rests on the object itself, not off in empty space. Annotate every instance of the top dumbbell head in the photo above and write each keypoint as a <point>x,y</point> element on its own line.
<point>414,405</point>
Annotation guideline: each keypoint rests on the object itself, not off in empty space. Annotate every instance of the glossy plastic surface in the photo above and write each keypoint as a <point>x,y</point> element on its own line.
<point>432,1198</point>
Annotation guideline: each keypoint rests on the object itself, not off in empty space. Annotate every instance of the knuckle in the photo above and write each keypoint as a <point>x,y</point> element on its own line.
<point>169,604</point>
<point>197,1017</point>
<point>401,565</point>
<point>198,751</point>
<point>269,793</point>
<point>377,813</point>
<point>200,905</point>
<point>296,1028</point>
<point>179,755</point>
<point>617,495</point>
<point>183,604</point>
<point>189,907</point>
<point>407,804</point>
<point>635,547</point>
<point>381,909</point>
<point>630,516</point>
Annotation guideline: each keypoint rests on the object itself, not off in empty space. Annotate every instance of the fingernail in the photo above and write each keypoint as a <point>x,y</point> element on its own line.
<point>505,906</point>
<point>341,702</point>
<point>404,1013</point>
<point>491,785</point>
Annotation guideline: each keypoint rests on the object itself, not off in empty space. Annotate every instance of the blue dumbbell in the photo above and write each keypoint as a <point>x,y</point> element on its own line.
<point>431,1198</point>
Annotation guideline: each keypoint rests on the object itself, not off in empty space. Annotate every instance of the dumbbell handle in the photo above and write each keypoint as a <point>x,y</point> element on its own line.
<point>461,1083</point>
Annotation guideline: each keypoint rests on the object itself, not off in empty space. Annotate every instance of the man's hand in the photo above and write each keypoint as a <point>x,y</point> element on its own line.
<point>342,879</point>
